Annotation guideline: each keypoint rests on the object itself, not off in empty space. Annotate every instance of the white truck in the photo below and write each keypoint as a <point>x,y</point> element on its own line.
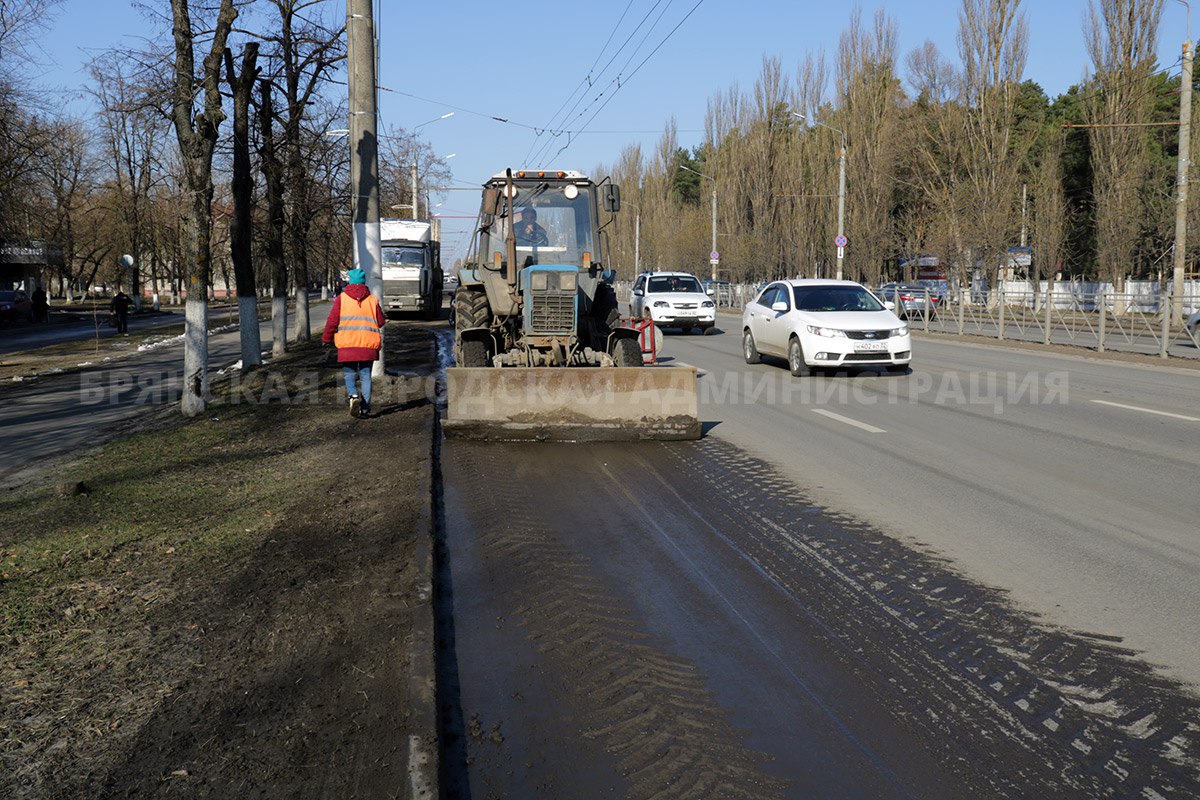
<point>412,266</point>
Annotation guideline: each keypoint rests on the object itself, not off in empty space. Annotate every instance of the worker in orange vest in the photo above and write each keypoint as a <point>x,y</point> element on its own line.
<point>355,327</point>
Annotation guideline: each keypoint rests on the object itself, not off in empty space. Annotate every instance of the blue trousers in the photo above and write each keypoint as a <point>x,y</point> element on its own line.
<point>358,372</point>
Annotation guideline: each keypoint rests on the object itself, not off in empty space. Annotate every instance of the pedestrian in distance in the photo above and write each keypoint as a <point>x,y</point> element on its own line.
<point>355,328</point>
<point>120,310</point>
<point>41,305</point>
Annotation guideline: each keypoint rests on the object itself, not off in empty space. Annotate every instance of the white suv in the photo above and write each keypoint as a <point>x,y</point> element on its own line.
<point>673,300</point>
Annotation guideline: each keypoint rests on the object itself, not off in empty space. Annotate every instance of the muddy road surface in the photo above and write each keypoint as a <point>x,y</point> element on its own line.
<point>676,620</point>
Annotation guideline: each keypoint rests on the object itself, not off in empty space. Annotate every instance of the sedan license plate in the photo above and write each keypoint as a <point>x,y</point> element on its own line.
<point>870,347</point>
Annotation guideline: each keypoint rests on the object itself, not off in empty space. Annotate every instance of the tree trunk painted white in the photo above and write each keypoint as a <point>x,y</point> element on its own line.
<point>195,357</point>
<point>303,328</point>
<point>248,327</point>
<point>278,326</point>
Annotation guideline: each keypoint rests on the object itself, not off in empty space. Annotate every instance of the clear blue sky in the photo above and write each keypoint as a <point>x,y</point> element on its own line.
<point>467,56</point>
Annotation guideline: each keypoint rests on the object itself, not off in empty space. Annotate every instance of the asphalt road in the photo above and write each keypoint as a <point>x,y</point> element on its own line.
<point>1068,482</point>
<point>81,327</point>
<point>56,415</point>
<point>865,585</point>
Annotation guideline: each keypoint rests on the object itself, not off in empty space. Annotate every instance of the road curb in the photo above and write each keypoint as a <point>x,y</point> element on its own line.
<point>424,750</point>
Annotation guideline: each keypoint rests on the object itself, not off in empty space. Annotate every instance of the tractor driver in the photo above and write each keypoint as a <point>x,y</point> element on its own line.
<point>528,232</point>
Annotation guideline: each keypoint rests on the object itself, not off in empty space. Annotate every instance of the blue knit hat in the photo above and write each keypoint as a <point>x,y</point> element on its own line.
<point>357,276</point>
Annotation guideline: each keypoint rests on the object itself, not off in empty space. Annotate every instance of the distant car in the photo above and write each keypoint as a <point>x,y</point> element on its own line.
<point>673,300</point>
<point>1193,326</point>
<point>15,305</point>
<point>911,300</point>
<point>824,325</point>
<point>449,284</point>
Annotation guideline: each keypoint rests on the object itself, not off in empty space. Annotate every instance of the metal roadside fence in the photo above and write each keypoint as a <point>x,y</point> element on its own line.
<point>1083,314</point>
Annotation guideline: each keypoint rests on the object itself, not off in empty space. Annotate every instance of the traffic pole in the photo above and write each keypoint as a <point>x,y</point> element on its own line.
<point>1181,179</point>
<point>714,230</point>
<point>364,150</point>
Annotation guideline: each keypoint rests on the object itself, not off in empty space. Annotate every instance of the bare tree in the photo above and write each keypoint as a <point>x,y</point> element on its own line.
<point>272,170</point>
<point>196,131</point>
<point>20,22</point>
<point>306,49</point>
<point>399,150</point>
<point>131,129</point>
<point>993,42</point>
<point>242,191</point>
<point>938,164</point>
<point>1122,37</point>
<point>869,111</point>
<point>1049,212</point>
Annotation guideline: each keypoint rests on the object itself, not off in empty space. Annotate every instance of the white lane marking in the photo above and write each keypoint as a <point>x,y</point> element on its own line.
<point>1147,410</point>
<point>848,421</point>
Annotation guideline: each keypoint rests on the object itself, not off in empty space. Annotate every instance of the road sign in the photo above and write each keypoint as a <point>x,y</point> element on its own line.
<point>841,241</point>
<point>841,252</point>
<point>714,255</point>
<point>714,261</point>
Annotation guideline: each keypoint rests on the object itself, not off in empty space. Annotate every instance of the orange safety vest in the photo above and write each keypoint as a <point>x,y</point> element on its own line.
<point>356,324</point>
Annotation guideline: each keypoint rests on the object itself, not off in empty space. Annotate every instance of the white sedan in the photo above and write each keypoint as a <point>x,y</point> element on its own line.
<point>824,324</point>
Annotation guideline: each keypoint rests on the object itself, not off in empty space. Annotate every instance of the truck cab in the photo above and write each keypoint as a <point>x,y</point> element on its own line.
<point>412,266</point>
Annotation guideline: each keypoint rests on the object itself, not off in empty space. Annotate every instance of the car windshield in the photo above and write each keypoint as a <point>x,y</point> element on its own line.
<point>674,283</point>
<point>835,298</point>
<point>403,257</point>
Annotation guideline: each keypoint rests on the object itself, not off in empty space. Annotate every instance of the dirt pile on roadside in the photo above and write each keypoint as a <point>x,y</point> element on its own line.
<point>224,612</point>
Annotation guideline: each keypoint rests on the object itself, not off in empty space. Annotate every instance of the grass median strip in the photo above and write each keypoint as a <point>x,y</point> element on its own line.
<point>213,601</point>
<point>97,562</point>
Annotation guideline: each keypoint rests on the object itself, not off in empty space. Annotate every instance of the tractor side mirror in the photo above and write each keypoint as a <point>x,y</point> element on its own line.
<point>491,204</point>
<point>612,198</point>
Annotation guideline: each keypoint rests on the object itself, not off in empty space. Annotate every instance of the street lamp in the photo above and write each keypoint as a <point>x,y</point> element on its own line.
<point>714,215</point>
<point>414,162</point>
<point>637,239</point>
<point>841,250</point>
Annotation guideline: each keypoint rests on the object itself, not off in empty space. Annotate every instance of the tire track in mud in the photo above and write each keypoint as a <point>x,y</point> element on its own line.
<point>649,710</point>
<point>1017,707</point>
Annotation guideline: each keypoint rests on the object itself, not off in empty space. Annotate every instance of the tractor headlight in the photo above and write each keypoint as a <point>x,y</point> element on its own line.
<point>539,281</point>
<point>829,333</point>
<point>567,281</point>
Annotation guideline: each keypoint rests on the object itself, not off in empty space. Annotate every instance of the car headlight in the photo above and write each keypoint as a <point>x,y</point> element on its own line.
<point>830,333</point>
<point>661,304</point>
<point>708,304</point>
<point>901,331</point>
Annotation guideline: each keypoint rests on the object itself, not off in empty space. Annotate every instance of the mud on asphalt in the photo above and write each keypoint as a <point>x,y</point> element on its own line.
<point>562,676</point>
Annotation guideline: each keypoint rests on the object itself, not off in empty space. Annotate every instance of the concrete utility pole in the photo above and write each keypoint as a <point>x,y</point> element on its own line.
<point>841,251</point>
<point>714,228</point>
<point>841,211</point>
<point>415,208</point>
<point>637,244</point>
<point>714,214</point>
<point>1181,179</point>
<point>364,149</point>
<point>416,204</point>
<point>1024,208</point>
